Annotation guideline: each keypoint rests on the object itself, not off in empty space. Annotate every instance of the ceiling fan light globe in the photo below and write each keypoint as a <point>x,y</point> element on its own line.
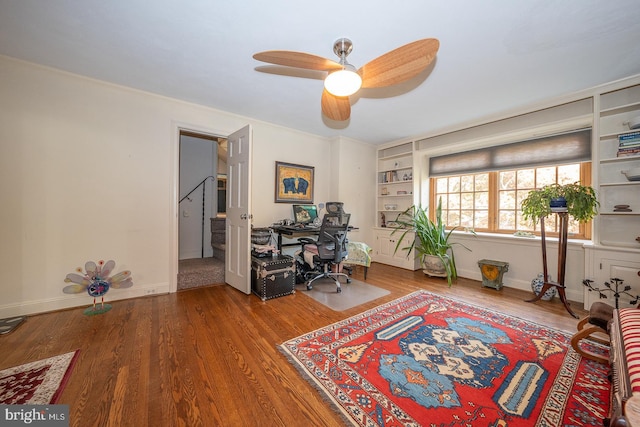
<point>343,82</point>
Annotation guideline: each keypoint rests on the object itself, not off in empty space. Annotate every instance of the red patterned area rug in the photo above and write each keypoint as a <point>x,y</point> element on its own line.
<point>36,383</point>
<point>427,360</point>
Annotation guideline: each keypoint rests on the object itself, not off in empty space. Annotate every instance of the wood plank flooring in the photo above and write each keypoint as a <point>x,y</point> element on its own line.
<point>208,356</point>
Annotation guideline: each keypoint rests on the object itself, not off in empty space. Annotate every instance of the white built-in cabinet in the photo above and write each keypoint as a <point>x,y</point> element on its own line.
<point>384,250</point>
<point>395,190</point>
<point>616,249</point>
<point>604,263</point>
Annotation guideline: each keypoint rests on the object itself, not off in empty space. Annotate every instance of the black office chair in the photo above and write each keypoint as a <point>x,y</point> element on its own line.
<point>328,251</point>
<point>338,207</point>
<point>335,207</point>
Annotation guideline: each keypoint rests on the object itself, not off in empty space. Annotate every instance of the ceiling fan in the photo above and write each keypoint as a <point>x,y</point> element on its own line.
<point>343,80</point>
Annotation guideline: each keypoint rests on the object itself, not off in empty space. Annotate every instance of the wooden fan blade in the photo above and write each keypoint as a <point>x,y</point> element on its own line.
<point>400,64</point>
<point>335,107</point>
<point>297,59</point>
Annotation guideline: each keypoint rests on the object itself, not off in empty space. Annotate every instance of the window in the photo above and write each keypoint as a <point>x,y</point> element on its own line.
<point>490,201</point>
<point>483,189</point>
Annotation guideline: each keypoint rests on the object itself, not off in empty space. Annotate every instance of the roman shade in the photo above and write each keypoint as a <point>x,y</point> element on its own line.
<point>569,147</point>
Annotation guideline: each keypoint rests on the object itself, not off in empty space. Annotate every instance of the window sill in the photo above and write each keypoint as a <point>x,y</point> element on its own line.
<point>511,239</point>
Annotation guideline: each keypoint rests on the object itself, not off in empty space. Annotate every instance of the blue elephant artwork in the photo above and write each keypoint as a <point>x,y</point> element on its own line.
<point>294,183</point>
<point>289,185</point>
<point>303,184</point>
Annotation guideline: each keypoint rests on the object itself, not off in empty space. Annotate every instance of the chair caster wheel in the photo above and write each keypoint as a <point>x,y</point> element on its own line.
<point>339,290</point>
<point>309,287</point>
<point>348,280</point>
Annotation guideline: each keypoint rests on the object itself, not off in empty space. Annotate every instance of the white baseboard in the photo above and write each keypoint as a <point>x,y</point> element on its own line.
<point>65,301</point>
<point>191,255</point>
<point>524,285</point>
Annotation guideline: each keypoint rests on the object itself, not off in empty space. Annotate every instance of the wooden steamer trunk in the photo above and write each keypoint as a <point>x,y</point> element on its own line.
<point>273,277</point>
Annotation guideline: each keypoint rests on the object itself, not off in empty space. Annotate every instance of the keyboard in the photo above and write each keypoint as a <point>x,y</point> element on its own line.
<point>310,227</point>
<point>301,227</point>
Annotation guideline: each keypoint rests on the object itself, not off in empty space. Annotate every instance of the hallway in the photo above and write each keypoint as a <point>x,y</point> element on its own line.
<point>199,272</point>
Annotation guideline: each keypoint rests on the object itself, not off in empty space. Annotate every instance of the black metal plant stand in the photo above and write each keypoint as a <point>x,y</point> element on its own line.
<point>613,288</point>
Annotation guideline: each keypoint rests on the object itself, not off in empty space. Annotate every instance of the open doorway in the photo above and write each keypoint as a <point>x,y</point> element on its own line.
<point>201,209</point>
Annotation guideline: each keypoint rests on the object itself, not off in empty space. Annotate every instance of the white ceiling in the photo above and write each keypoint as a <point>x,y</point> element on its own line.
<point>494,55</point>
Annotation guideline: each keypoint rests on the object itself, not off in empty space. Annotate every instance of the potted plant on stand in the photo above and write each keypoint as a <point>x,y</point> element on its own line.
<point>579,200</point>
<point>575,200</point>
<point>431,241</point>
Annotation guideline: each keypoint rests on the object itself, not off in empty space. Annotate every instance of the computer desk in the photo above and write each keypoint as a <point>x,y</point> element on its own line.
<point>292,231</point>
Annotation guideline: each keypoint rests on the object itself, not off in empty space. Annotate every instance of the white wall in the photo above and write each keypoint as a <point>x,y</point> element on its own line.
<point>285,145</point>
<point>356,185</point>
<point>90,172</point>
<point>524,256</point>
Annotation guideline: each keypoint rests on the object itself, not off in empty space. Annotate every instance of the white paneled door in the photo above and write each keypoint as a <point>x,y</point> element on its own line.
<point>238,235</point>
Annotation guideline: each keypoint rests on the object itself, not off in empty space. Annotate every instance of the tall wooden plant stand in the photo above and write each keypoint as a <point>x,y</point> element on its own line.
<point>562,262</point>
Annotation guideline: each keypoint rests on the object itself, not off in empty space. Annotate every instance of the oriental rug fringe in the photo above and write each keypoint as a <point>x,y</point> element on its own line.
<point>36,383</point>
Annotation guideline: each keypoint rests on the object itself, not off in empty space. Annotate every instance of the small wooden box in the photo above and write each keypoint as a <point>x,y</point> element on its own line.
<point>273,277</point>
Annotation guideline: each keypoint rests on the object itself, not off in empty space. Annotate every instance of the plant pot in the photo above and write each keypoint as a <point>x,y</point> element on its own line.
<point>559,202</point>
<point>433,266</point>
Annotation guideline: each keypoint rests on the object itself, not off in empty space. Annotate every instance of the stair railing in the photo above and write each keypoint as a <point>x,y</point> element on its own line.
<point>202,183</point>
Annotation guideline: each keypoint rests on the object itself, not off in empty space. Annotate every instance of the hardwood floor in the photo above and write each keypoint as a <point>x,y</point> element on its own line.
<point>208,356</point>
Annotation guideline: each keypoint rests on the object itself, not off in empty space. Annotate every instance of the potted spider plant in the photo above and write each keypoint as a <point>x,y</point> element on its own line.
<point>431,241</point>
<point>579,200</point>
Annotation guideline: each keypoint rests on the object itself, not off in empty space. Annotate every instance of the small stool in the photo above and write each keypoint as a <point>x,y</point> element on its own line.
<point>596,322</point>
<point>492,272</point>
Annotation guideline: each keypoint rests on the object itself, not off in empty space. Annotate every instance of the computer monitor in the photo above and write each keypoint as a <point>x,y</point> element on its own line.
<point>304,214</point>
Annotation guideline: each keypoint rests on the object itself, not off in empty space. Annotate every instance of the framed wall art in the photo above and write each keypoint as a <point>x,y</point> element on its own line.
<point>294,183</point>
